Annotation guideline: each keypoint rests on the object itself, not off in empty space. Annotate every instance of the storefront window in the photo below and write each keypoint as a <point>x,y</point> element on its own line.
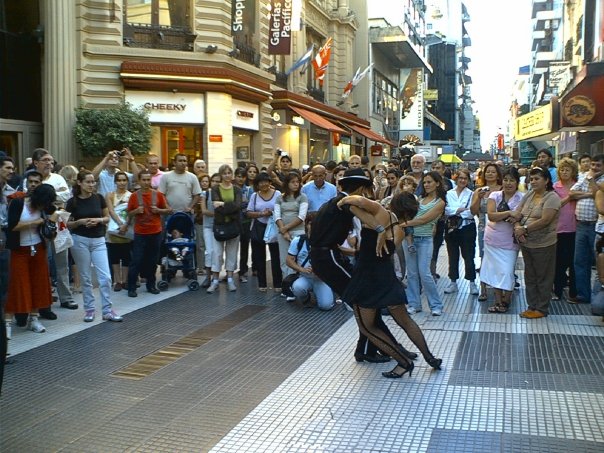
<point>342,150</point>
<point>242,145</point>
<point>179,140</point>
<point>319,145</point>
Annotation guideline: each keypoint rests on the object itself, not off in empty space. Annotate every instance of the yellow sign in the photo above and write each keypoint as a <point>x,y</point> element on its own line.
<point>430,95</point>
<point>533,124</point>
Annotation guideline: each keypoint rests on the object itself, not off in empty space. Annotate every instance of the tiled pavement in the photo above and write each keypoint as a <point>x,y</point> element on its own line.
<point>261,375</point>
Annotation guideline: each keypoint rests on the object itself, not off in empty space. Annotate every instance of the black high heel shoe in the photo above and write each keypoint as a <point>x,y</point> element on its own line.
<point>410,355</point>
<point>435,363</point>
<point>396,373</point>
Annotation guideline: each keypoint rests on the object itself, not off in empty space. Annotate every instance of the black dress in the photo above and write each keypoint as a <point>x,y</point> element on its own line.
<point>374,283</point>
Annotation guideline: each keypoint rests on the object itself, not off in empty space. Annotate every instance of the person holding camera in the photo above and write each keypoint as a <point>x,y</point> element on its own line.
<point>490,181</point>
<point>461,232</point>
<point>279,168</point>
<point>106,169</point>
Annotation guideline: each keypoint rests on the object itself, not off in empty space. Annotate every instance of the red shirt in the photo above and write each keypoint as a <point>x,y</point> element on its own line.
<point>147,223</point>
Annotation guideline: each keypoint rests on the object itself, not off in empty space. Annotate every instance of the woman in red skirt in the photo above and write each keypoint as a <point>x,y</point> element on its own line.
<point>29,284</point>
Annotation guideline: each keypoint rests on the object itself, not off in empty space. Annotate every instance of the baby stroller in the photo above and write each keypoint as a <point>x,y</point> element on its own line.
<point>179,250</point>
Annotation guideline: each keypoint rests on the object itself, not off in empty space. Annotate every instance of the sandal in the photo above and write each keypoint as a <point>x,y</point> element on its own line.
<point>482,297</point>
<point>498,308</point>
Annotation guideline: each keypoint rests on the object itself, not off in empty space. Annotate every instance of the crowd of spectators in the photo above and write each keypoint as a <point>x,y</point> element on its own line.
<point>116,217</point>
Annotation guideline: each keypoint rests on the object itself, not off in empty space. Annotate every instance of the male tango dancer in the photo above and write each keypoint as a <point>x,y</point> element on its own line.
<point>330,228</point>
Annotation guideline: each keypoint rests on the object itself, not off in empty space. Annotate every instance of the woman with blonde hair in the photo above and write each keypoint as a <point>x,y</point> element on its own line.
<point>70,174</point>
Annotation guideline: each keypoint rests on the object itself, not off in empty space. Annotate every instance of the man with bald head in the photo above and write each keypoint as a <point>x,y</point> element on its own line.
<point>318,191</point>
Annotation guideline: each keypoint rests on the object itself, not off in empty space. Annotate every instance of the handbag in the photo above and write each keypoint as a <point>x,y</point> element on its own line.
<point>453,221</point>
<point>257,231</point>
<point>225,231</point>
<point>271,231</point>
<point>64,240</point>
<point>121,210</point>
<point>47,229</point>
<point>257,228</point>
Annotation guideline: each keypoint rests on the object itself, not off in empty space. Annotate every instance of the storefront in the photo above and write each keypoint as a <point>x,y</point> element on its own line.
<point>204,112</point>
<point>177,121</point>
<point>537,130</point>
<point>582,114</point>
<point>245,118</point>
<point>313,132</point>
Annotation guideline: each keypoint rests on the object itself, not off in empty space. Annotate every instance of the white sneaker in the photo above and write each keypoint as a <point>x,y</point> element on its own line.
<point>473,289</point>
<point>213,287</point>
<point>231,285</point>
<point>452,288</point>
<point>290,298</point>
<point>413,310</point>
<point>9,329</point>
<point>34,324</point>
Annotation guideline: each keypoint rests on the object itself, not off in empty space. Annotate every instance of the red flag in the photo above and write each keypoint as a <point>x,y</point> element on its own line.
<point>322,60</point>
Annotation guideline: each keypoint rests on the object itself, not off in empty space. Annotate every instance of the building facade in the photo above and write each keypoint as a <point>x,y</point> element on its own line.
<point>214,75</point>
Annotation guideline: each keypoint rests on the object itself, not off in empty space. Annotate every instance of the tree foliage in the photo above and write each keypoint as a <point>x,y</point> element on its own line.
<point>100,130</point>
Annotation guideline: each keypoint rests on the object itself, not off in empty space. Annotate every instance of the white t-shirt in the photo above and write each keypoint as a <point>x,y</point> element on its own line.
<point>179,189</point>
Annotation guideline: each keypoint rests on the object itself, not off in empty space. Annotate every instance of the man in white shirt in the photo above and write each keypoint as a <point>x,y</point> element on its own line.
<point>181,188</point>
<point>105,171</point>
<point>44,163</point>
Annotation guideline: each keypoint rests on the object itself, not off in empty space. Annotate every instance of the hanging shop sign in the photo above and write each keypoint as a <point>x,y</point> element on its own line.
<point>579,110</point>
<point>164,107</point>
<point>411,97</point>
<point>533,124</point>
<point>245,115</point>
<point>243,17</point>
<point>559,77</point>
<point>280,27</point>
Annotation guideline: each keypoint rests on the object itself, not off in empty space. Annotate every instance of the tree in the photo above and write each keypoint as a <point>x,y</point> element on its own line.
<point>100,130</point>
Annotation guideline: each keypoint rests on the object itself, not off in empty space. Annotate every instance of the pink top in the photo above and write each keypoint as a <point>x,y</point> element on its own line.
<point>567,223</point>
<point>499,234</point>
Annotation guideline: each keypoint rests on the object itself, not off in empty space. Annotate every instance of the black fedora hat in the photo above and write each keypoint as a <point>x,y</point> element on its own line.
<point>354,178</point>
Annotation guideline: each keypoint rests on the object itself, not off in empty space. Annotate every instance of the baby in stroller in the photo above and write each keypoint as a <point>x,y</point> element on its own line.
<point>179,248</point>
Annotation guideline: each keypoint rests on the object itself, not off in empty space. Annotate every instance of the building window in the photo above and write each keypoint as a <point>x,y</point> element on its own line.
<point>385,100</point>
<point>158,24</point>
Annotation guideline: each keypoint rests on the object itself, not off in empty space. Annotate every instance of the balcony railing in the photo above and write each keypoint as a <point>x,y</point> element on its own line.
<point>246,53</point>
<point>316,93</point>
<point>158,37</point>
<point>281,79</point>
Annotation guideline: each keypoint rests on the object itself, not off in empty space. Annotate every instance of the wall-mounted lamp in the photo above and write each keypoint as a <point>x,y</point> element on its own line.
<point>212,48</point>
<point>354,106</point>
<point>234,53</point>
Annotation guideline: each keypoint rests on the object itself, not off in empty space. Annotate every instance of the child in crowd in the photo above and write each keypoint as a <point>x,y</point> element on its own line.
<point>407,184</point>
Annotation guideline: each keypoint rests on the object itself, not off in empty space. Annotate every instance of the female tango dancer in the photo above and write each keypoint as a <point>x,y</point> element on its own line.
<point>374,285</point>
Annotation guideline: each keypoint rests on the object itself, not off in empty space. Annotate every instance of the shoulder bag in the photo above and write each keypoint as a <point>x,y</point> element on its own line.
<point>225,231</point>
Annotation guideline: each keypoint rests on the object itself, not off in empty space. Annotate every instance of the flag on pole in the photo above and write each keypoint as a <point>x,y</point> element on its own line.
<point>322,60</point>
<point>358,76</point>
<point>302,61</point>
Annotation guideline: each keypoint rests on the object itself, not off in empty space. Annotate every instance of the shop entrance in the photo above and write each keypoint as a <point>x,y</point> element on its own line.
<point>181,140</point>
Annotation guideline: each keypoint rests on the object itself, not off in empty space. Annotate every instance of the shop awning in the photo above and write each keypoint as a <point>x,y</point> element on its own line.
<point>318,120</point>
<point>368,133</point>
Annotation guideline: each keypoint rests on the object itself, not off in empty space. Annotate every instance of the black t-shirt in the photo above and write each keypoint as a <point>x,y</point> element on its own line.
<point>83,208</point>
<point>332,225</point>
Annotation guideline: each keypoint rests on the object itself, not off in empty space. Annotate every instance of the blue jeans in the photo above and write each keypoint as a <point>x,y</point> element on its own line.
<point>418,268</point>
<point>306,283</point>
<point>145,254</point>
<point>584,258</point>
<point>87,252</point>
